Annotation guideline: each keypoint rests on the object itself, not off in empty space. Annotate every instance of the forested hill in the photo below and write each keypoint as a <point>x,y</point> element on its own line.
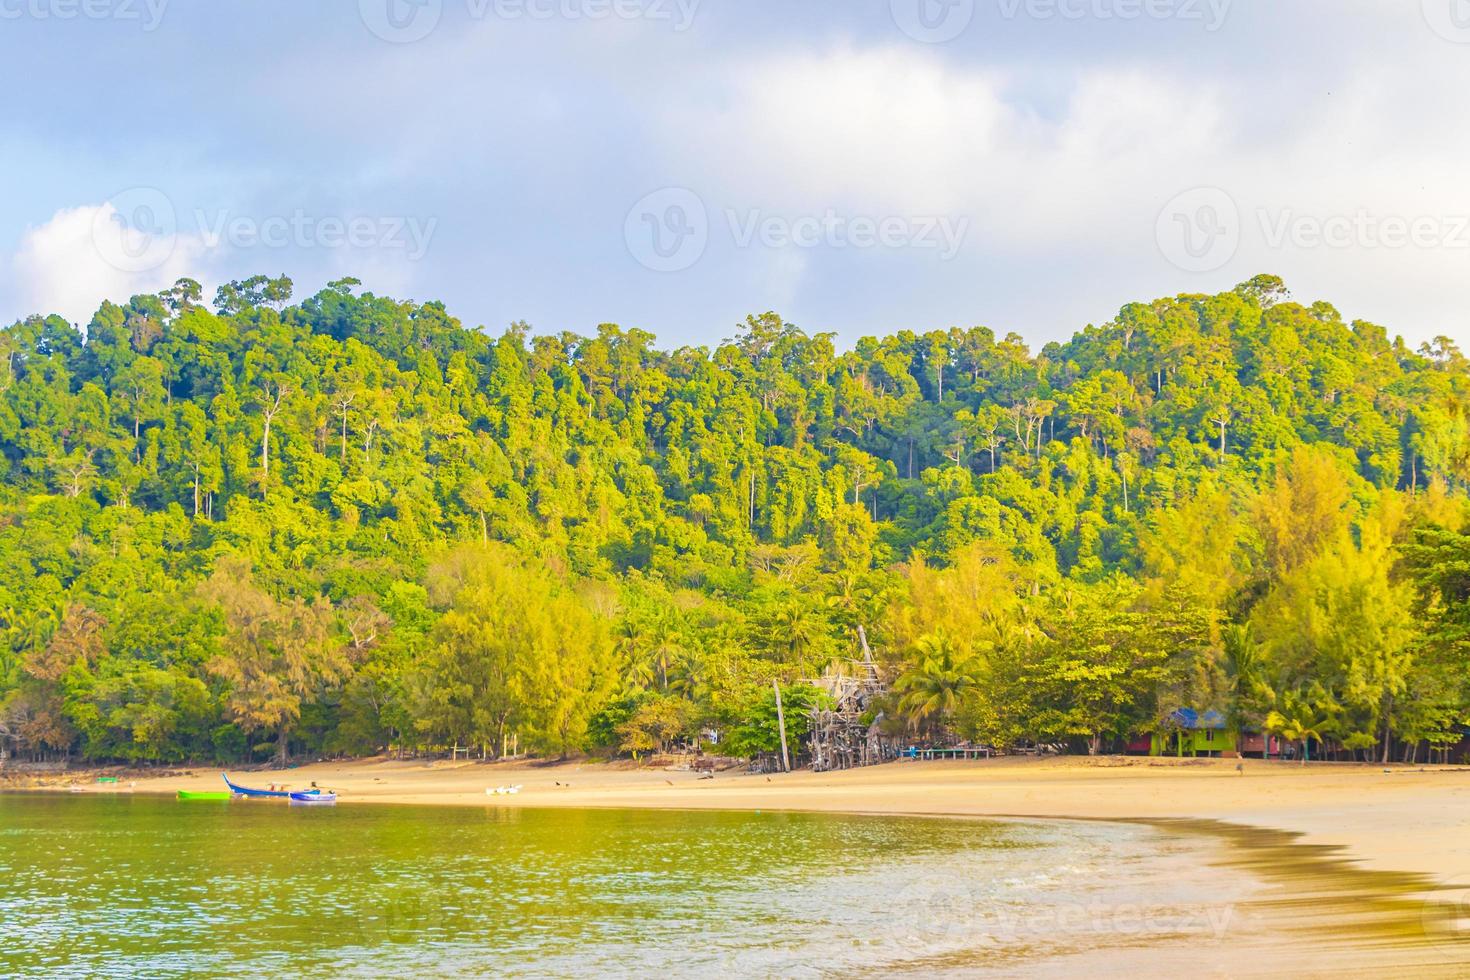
<point>355,520</point>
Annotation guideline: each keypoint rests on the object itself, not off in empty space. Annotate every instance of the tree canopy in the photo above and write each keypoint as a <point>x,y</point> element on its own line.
<point>351,521</point>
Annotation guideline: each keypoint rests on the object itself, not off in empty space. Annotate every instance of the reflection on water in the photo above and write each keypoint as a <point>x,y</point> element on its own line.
<point>127,886</point>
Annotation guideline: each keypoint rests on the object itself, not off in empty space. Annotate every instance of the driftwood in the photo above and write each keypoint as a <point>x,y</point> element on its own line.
<point>840,738</point>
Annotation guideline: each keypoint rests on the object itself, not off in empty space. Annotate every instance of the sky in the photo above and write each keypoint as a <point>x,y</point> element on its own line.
<point>859,166</point>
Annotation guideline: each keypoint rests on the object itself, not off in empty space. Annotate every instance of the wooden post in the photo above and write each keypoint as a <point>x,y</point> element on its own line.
<point>781,724</point>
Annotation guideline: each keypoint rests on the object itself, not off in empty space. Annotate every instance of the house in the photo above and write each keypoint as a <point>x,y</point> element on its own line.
<point>1187,732</point>
<point>1259,745</point>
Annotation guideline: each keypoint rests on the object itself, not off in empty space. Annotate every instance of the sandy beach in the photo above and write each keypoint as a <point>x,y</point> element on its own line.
<point>1394,834</point>
<point>1395,818</point>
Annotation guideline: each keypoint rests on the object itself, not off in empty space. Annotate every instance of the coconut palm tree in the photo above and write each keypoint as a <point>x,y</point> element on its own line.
<point>934,689</point>
<point>1243,674</point>
<point>1300,719</point>
<point>794,633</point>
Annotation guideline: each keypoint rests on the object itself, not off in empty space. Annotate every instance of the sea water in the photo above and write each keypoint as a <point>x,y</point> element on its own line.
<point>104,885</point>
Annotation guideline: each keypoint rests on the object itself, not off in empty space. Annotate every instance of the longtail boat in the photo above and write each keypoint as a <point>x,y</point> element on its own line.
<point>278,794</point>
<point>314,796</point>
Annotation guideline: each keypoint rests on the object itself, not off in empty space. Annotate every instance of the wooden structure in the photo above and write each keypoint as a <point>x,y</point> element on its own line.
<point>952,752</point>
<point>849,733</point>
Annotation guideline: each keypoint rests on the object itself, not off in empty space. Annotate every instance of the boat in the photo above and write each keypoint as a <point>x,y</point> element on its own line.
<point>191,794</point>
<point>276,794</point>
<point>314,796</point>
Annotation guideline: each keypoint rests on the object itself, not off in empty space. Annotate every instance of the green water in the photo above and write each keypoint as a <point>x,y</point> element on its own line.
<point>145,886</point>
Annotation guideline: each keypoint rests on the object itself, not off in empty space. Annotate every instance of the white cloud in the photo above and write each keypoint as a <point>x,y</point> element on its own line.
<point>85,254</point>
<point>1077,185</point>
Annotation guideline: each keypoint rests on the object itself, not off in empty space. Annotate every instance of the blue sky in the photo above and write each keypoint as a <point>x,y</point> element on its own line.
<point>860,166</point>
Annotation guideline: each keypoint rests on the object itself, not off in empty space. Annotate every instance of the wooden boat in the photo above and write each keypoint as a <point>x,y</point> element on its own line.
<point>190,794</point>
<point>277,794</point>
<point>314,796</point>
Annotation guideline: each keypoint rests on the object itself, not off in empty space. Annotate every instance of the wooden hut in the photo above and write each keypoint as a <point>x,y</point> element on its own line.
<point>849,733</point>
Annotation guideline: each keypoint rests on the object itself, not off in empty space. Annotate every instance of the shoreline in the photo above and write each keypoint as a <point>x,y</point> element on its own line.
<point>1369,864</point>
<point>1392,819</point>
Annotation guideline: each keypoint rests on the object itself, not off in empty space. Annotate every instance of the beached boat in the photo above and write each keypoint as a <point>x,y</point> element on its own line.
<point>278,794</point>
<point>190,794</point>
<point>314,796</point>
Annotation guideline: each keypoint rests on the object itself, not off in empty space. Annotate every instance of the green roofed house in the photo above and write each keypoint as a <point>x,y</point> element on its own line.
<point>1187,732</point>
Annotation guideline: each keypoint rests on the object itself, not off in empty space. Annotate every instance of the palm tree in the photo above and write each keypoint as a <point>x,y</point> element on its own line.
<point>938,685</point>
<point>1243,669</point>
<point>1300,719</point>
<point>794,633</point>
<point>630,643</point>
<point>689,676</point>
<point>667,647</point>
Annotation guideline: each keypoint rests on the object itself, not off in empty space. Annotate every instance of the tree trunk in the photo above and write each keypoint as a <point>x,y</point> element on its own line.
<point>1387,728</point>
<point>781,724</point>
<point>265,458</point>
<point>283,745</point>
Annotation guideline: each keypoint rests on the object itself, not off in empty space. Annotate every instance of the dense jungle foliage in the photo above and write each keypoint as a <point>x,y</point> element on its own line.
<point>269,529</point>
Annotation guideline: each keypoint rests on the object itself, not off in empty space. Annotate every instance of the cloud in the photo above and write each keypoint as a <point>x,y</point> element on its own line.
<point>1075,184</point>
<point>1060,139</point>
<point>85,254</point>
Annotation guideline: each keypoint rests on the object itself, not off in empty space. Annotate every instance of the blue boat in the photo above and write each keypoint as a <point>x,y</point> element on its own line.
<point>314,796</point>
<point>277,794</point>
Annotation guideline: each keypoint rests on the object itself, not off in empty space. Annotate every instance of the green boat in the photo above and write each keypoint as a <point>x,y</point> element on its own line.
<point>188,794</point>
